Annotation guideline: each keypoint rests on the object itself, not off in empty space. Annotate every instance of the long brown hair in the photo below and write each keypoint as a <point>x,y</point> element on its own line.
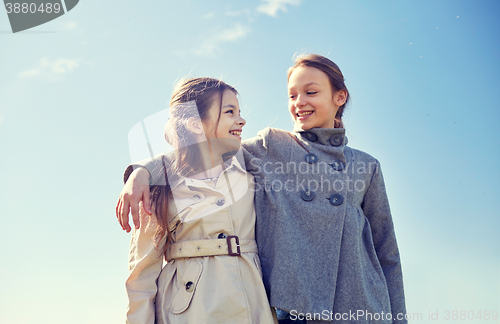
<point>203,92</point>
<point>333,73</point>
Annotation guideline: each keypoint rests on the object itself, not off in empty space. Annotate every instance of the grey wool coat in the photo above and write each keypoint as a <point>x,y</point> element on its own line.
<point>324,230</point>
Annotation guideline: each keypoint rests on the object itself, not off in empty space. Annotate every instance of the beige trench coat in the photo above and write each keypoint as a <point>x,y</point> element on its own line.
<point>218,288</point>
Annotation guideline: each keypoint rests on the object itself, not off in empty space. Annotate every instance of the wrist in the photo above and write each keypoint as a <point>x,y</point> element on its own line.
<point>142,175</point>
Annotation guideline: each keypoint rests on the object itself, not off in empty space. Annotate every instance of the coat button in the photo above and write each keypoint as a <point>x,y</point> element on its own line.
<point>338,165</point>
<point>189,286</point>
<point>310,136</point>
<point>336,199</point>
<point>308,195</point>
<point>220,201</point>
<point>336,140</point>
<point>196,197</point>
<point>222,236</point>
<point>311,158</point>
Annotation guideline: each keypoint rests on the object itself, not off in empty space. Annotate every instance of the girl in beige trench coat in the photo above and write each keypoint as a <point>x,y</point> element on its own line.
<point>203,221</point>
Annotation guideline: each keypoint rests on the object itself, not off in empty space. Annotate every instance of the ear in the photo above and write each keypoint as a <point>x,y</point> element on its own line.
<point>194,125</point>
<point>340,97</point>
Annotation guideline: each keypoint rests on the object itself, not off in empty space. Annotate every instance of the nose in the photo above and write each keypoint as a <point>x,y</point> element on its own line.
<point>241,122</point>
<point>300,102</point>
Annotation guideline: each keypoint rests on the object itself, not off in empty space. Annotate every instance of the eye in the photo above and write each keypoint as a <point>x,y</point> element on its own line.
<point>312,92</point>
<point>292,96</point>
<point>231,111</point>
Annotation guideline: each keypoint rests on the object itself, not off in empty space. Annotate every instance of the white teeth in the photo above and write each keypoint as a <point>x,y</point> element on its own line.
<point>237,133</point>
<point>305,113</point>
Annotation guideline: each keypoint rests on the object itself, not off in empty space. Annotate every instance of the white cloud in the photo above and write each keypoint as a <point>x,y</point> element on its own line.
<point>70,25</point>
<point>213,43</point>
<point>271,7</point>
<point>233,34</point>
<point>29,73</point>
<point>53,70</point>
<point>209,15</point>
<point>1,120</point>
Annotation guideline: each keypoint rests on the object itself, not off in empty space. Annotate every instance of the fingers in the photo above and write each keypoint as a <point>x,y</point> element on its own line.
<point>117,208</point>
<point>124,215</point>
<point>118,211</point>
<point>135,190</point>
<point>147,202</point>
<point>134,208</point>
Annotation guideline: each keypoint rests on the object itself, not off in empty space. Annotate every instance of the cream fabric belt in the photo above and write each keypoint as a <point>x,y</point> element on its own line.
<point>231,245</point>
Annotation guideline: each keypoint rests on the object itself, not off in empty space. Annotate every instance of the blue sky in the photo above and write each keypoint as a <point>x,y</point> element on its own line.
<point>423,77</point>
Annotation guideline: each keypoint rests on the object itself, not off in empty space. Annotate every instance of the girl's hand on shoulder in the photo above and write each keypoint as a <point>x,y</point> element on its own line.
<point>135,190</point>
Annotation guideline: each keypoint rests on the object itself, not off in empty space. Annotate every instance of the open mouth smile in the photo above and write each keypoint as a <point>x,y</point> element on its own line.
<point>301,114</point>
<point>236,132</point>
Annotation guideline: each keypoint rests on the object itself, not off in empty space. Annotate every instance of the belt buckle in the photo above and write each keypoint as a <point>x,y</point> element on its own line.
<point>229,248</point>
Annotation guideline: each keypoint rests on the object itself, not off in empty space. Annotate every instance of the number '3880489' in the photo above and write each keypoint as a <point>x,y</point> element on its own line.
<point>25,15</point>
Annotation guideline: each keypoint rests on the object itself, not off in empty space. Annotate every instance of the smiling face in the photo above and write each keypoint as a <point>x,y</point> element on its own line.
<point>311,101</point>
<point>228,130</point>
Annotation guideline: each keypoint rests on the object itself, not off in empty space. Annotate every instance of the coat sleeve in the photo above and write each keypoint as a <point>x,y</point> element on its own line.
<point>255,150</point>
<point>154,165</point>
<point>144,268</point>
<point>376,208</point>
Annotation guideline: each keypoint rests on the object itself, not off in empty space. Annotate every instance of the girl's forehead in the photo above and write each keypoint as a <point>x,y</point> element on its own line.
<point>306,75</point>
<point>229,97</point>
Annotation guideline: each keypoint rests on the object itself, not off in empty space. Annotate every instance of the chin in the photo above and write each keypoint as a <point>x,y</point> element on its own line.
<point>233,148</point>
<point>300,126</point>
<point>230,144</point>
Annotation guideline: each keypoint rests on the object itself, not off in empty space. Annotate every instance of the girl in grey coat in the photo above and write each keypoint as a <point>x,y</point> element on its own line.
<point>324,229</point>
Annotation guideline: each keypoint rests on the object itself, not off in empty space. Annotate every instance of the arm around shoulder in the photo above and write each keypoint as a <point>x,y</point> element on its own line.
<point>153,165</point>
<point>256,149</point>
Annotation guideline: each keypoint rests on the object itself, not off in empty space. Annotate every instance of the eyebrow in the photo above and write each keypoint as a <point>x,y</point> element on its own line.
<point>231,106</point>
<point>308,84</point>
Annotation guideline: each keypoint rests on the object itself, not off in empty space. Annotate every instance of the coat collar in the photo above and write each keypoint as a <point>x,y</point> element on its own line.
<point>229,165</point>
<point>325,136</point>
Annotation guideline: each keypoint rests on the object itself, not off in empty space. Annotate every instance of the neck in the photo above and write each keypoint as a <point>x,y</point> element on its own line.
<point>211,162</point>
